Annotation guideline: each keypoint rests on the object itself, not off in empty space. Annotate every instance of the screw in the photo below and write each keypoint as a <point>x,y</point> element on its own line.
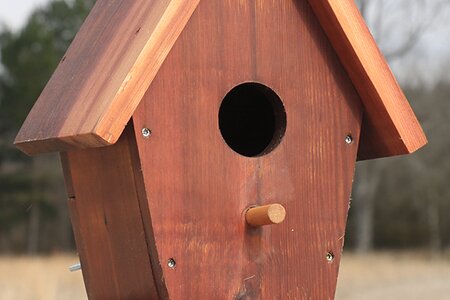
<point>75,267</point>
<point>330,257</point>
<point>349,139</point>
<point>146,132</point>
<point>171,263</point>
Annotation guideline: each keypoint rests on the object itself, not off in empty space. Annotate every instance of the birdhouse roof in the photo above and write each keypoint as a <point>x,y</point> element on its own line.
<point>119,49</point>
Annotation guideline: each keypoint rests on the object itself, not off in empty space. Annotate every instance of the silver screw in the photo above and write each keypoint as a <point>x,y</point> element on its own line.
<point>171,263</point>
<point>330,257</point>
<point>75,267</point>
<point>349,139</point>
<point>146,132</point>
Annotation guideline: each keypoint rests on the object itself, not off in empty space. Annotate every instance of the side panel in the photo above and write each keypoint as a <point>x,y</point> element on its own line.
<point>103,186</point>
<point>198,188</point>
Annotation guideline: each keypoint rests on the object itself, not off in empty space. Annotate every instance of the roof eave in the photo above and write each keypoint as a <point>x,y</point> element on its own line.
<point>390,126</point>
<point>104,74</point>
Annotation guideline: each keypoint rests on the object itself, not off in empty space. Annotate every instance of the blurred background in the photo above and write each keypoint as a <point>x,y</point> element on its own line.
<point>398,234</point>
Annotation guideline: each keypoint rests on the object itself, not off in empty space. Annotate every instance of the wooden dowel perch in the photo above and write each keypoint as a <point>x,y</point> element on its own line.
<point>265,215</point>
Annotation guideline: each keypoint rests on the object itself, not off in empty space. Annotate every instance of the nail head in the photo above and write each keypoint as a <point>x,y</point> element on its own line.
<point>171,263</point>
<point>330,257</point>
<point>349,139</point>
<point>146,132</point>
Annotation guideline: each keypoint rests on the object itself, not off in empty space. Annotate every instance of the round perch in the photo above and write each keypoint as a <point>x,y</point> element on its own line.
<point>265,215</point>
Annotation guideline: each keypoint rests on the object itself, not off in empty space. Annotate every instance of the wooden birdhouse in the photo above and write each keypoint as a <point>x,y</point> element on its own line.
<point>184,126</point>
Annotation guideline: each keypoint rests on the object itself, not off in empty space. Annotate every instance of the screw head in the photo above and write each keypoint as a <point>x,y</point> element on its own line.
<point>349,139</point>
<point>146,132</point>
<point>330,257</point>
<point>171,263</point>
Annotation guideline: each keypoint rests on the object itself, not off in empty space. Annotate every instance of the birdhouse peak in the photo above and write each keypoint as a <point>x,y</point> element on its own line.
<point>121,46</point>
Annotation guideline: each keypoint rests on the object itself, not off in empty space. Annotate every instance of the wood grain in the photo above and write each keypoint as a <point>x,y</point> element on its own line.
<point>390,126</point>
<point>265,215</point>
<point>103,189</point>
<point>104,74</point>
<point>122,44</point>
<point>198,188</point>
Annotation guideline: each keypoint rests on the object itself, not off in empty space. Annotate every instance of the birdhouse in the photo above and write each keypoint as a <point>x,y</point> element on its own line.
<point>209,146</point>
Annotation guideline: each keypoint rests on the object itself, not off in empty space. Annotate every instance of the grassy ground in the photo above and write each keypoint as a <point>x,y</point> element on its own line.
<point>39,278</point>
<point>394,276</point>
<point>387,276</point>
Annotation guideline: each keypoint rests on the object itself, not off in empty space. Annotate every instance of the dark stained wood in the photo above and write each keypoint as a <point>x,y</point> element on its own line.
<point>198,189</point>
<point>187,203</point>
<point>104,74</point>
<point>103,186</point>
<point>390,126</point>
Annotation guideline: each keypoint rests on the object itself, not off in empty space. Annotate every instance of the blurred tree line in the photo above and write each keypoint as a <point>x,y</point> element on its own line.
<point>397,202</point>
<point>33,212</point>
<point>403,202</point>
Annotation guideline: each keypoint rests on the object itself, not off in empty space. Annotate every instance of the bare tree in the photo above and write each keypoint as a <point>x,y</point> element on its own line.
<point>398,26</point>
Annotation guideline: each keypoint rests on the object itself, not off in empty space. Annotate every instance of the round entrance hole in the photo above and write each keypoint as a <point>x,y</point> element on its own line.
<point>252,119</point>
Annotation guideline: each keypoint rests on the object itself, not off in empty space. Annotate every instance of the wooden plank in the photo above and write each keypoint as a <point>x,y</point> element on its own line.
<point>390,126</point>
<point>104,74</point>
<point>198,188</point>
<point>103,187</point>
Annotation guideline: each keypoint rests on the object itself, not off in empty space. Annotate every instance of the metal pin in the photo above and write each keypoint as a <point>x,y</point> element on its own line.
<point>75,267</point>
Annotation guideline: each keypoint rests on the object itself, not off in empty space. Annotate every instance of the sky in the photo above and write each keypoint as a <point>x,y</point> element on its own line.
<point>14,13</point>
<point>430,56</point>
